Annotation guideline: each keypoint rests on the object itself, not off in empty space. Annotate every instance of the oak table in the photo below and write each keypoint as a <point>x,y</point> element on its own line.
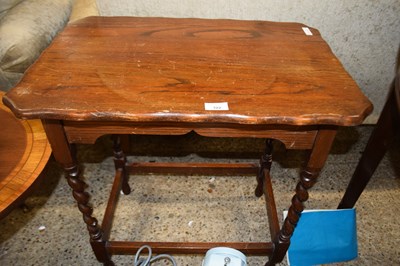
<point>24,152</point>
<point>164,76</point>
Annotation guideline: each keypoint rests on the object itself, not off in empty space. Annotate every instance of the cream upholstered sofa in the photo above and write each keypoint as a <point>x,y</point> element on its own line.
<point>27,27</point>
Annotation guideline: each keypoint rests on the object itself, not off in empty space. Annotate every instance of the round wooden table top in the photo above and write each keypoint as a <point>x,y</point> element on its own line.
<point>24,152</point>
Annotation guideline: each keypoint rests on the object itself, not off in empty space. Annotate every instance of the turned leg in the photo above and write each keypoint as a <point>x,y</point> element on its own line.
<point>82,199</point>
<point>120,163</point>
<point>308,178</point>
<point>64,153</point>
<point>265,165</point>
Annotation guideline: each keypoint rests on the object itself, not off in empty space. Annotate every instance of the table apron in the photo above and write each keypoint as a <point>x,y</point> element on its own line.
<point>293,137</point>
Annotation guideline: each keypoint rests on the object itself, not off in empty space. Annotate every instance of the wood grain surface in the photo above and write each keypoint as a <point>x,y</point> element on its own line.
<point>24,152</point>
<point>164,69</point>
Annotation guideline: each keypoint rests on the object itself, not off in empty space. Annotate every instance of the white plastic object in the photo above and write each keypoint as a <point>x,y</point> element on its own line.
<point>222,256</point>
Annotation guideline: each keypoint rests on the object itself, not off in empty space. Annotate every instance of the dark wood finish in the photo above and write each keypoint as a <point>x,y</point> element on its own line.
<point>308,177</point>
<point>265,166</point>
<point>64,153</point>
<point>106,225</point>
<point>24,152</point>
<point>270,204</point>
<point>264,186</point>
<point>379,142</point>
<point>130,248</point>
<point>119,75</point>
<point>194,168</point>
<point>294,137</point>
<point>397,90</point>
<point>120,163</point>
<point>125,143</point>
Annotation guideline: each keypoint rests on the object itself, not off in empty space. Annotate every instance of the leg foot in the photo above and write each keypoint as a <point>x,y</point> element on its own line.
<point>126,189</point>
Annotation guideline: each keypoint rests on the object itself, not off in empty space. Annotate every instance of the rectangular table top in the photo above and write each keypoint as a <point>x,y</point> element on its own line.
<point>165,69</point>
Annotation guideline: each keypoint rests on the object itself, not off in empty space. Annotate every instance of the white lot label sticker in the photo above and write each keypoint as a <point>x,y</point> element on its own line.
<point>307,31</point>
<point>216,106</point>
